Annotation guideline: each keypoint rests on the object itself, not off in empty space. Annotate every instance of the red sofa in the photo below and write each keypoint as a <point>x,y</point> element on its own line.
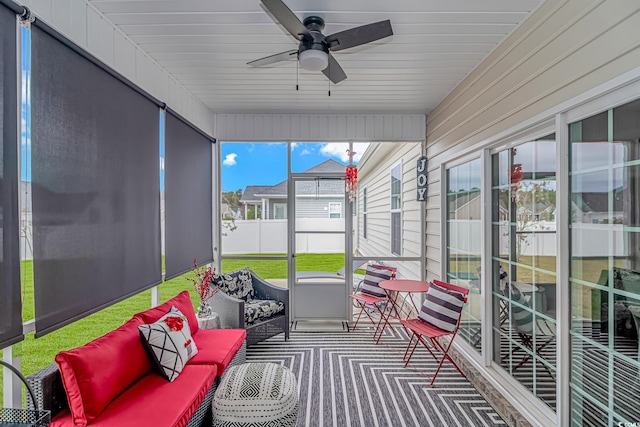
<point>110,381</point>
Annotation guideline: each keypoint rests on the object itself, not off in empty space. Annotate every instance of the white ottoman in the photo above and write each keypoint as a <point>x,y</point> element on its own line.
<point>256,394</point>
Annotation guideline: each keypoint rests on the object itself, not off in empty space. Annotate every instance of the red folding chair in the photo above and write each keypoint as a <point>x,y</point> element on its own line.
<point>370,294</point>
<point>439,317</point>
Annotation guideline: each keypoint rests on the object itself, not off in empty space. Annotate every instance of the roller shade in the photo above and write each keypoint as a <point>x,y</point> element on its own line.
<point>11,312</point>
<point>188,197</point>
<point>95,186</point>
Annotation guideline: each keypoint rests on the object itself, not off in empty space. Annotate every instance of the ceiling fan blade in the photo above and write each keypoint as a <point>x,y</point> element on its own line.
<point>334,71</point>
<point>359,35</point>
<point>272,59</point>
<point>282,15</point>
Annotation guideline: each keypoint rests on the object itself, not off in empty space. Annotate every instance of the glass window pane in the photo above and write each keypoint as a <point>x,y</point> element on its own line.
<point>524,264</point>
<point>605,265</point>
<point>464,212</point>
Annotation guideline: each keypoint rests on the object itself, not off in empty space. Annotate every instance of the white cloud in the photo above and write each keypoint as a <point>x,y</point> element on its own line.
<point>161,163</point>
<point>230,159</point>
<point>294,145</point>
<point>339,150</point>
<point>305,152</point>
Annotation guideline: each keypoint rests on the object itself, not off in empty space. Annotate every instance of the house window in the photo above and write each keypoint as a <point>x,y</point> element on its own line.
<point>396,210</point>
<point>279,211</point>
<point>523,267</point>
<point>605,265</point>
<point>335,210</point>
<point>364,212</point>
<point>464,242</point>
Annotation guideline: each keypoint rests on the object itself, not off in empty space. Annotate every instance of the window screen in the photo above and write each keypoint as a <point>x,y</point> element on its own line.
<point>188,197</point>
<point>11,312</point>
<point>95,186</point>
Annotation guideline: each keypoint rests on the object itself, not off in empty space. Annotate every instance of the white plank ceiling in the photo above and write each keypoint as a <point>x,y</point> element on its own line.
<point>205,45</point>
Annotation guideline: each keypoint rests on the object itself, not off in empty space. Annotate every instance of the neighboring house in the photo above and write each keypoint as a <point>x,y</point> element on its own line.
<point>229,213</point>
<point>593,208</point>
<point>314,199</point>
<point>388,220</point>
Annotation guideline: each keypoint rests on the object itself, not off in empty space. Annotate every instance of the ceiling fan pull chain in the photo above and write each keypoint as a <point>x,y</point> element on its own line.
<point>297,72</point>
<point>329,79</point>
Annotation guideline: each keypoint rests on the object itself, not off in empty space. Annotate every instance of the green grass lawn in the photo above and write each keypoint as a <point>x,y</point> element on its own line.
<point>40,352</point>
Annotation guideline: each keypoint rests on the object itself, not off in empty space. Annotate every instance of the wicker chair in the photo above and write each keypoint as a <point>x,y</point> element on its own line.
<point>231,311</point>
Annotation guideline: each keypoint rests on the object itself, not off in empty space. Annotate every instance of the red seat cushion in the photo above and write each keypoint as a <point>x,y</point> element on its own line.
<point>217,346</point>
<point>98,371</point>
<point>182,301</point>
<point>153,401</point>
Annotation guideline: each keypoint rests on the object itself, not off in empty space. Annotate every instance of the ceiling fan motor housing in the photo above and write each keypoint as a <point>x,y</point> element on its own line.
<point>314,39</point>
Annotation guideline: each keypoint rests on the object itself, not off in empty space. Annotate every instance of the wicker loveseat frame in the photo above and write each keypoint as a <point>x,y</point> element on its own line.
<point>231,312</point>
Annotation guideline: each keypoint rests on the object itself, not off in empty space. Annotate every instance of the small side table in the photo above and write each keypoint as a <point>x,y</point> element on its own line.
<point>210,322</point>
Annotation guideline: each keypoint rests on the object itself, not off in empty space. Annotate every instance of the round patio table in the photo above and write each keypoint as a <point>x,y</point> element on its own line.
<point>393,288</point>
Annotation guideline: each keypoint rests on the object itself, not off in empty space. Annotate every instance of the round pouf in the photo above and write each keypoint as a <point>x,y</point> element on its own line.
<point>256,394</point>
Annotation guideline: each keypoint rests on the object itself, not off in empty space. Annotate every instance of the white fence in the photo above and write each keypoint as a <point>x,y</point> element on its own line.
<point>270,236</point>
<point>589,240</point>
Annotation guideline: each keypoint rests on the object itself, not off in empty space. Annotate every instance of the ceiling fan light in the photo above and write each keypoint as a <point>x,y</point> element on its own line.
<point>313,60</point>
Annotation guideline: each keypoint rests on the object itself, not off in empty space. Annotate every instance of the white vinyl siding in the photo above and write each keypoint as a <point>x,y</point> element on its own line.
<point>320,127</point>
<point>373,173</point>
<point>312,207</point>
<point>562,51</point>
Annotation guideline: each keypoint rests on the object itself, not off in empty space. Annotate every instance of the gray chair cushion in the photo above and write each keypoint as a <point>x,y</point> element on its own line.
<point>259,309</point>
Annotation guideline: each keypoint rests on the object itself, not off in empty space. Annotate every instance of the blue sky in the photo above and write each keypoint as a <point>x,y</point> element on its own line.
<point>245,163</point>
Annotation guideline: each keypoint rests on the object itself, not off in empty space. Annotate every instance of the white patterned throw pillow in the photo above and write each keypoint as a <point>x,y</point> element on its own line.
<point>168,343</point>
<point>442,307</point>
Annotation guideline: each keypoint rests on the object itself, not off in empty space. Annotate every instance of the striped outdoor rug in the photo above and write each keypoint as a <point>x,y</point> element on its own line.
<point>345,379</point>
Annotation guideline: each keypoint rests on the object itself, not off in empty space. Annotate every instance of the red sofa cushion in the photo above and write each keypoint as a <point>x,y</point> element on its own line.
<point>217,346</point>
<point>182,301</point>
<point>153,401</point>
<point>94,374</point>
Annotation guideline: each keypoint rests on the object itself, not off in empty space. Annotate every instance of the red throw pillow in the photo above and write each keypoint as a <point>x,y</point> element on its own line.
<point>94,374</point>
<point>182,302</point>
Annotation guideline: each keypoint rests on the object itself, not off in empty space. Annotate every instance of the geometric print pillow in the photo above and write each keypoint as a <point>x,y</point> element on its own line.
<point>442,307</point>
<point>372,278</point>
<point>168,343</point>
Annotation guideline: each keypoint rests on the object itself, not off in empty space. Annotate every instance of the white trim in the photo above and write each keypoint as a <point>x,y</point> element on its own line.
<point>443,221</point>
<point>217,205</point>
<point>396,210</point>
<point>615,98</point>
<point>364,212</point>
<point>487,253</point>
<point>563,297</point>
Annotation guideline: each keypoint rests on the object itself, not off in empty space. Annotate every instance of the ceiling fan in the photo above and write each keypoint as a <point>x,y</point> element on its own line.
<point>314,51</point>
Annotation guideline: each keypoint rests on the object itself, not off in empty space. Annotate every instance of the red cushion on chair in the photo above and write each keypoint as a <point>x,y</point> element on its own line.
<point>98,371</point>
<point>182,301</point>
<point>217,346</point>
